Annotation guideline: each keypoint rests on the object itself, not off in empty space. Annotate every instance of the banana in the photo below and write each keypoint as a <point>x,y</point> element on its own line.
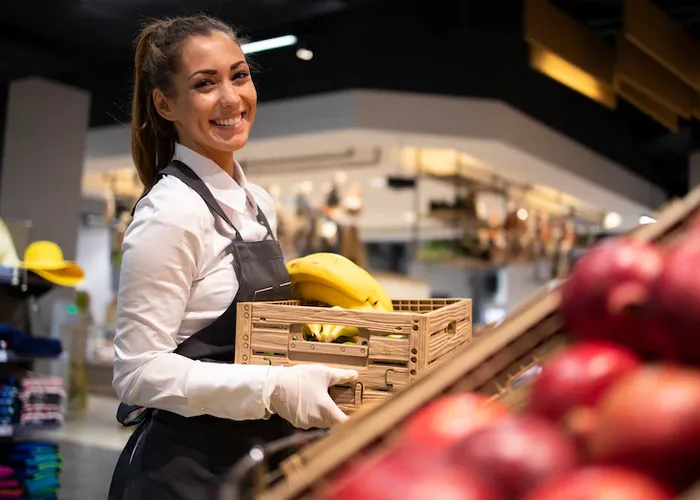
<point>320,292</point>
<point>377,293</point>
<point>311,331</point>
<point>334,332</point>
<point>352,286</point>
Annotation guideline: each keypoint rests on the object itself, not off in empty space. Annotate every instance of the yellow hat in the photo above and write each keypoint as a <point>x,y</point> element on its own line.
<point>45,258</point>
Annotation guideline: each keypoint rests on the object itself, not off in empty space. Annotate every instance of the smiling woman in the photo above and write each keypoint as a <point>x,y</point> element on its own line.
<point>202,240</point>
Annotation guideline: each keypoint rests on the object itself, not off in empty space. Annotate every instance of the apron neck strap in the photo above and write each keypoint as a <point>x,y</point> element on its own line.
<point>178,169</point>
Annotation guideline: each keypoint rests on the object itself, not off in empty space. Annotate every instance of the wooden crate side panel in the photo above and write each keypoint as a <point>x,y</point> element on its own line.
<point>450,314</point>
<point>379,348</point>
<point>447,340</point>
<point>242,352</point>
<point>419,347</point>
<point>264,339</point>
<point>383,349</point>
<point>373,377</point>
<point>388,322</point>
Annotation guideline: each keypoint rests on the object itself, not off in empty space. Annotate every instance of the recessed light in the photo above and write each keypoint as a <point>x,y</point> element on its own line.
<point>305,54</point>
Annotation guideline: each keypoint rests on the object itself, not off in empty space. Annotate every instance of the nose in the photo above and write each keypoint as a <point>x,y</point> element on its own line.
<point>230,98</point>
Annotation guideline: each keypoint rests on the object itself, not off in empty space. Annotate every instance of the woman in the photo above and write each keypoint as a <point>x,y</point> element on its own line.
<point>201,240</point>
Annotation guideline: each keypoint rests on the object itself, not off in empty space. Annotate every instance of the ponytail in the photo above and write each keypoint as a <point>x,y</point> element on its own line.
<point>156,61</point>
<point>151,144</point>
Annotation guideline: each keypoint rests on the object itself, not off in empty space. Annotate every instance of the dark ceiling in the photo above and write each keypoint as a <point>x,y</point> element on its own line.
<point>455,47</point>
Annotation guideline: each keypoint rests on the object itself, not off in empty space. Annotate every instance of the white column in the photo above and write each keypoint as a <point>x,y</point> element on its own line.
<point>43,154</point>
<point>42,163</point>
<point>694,170</point>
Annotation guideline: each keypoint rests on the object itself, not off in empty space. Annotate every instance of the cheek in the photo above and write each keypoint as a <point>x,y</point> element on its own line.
<point>250,95</point>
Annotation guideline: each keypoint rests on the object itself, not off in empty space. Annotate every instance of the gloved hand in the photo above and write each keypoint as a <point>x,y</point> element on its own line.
<point>299,394</point>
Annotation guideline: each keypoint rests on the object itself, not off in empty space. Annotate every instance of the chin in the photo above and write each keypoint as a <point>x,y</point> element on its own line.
<point>229,146</point>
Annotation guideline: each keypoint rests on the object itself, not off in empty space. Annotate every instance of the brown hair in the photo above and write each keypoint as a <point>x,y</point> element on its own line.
<point>156,61</point>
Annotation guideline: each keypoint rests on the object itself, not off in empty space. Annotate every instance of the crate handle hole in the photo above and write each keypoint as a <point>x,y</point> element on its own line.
<point>452,329</point>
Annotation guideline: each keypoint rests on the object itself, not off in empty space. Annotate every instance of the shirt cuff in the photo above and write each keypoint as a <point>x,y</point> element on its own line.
<point>227,390</point>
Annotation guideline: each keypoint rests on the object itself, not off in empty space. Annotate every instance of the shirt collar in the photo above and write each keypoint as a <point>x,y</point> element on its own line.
<point>230,191</point>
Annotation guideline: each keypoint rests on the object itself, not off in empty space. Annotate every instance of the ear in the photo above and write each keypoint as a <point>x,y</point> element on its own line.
<point>163,105</point>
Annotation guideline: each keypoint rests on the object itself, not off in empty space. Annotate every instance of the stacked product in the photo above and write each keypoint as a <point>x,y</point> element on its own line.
<point>35,400</point>
<point>29,471</point>
<point>613,415</point>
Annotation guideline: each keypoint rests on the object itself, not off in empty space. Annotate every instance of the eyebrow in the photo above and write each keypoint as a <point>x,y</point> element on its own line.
<point>213,71</point>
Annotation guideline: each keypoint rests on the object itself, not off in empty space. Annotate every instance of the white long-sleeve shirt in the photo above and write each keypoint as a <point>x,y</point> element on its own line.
<point>176,278</point>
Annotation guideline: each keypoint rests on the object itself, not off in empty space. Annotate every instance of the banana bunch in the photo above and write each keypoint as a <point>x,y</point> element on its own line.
<point>337,281</point>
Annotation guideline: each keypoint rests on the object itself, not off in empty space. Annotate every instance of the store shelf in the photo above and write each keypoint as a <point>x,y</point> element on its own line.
<point>24,281</point>
<point>8,356</point>
<point>456,216</point>
<point>10,430</point>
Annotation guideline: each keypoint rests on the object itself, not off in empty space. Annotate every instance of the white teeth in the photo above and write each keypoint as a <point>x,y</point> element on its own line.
<point>229,122</point>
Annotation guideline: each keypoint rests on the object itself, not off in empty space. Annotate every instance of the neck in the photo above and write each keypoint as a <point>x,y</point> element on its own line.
<point>223,159</point>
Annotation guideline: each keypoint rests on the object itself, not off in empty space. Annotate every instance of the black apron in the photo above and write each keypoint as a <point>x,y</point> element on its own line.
<point>171,457</point>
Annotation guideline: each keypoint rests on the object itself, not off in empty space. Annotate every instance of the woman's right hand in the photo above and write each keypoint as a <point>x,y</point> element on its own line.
<point>299,394</point>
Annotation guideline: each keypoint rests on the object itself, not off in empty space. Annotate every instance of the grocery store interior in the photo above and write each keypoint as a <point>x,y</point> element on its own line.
<point>458,150</point>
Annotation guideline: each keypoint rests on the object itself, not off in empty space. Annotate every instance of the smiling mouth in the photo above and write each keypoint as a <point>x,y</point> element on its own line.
<point>228,122</point>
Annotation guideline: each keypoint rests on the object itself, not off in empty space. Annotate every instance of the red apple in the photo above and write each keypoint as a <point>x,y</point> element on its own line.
<point>650,421</point>
<point>450,418</point>
<point>600,483</point>
<point>607,295</point>
<point>398,476</point>
<point>578,376</point>
<point>516,454</point>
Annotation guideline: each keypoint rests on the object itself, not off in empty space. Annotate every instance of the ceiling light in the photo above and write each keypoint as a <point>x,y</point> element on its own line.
<point>523,214</point>
<point>269,44</point>
<point>646,219</point>
<point>612,220</point>
<point>305,54</point>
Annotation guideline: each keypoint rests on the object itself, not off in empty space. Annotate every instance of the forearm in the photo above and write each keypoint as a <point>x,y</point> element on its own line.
<point>172,382</point>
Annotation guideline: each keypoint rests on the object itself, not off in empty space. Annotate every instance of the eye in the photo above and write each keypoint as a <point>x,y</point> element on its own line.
<point>201,84</point>
<point>240,75</point>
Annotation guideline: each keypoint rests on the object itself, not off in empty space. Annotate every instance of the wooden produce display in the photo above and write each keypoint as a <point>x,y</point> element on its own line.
<point>394,348</point>
<point>488,365</point>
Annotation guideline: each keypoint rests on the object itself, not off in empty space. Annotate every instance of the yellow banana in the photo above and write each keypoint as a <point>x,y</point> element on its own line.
<point>311,330</point>
<point>377,293</point>
<point>339,273</point>
<point>320,292</point>
<point>331,333</point>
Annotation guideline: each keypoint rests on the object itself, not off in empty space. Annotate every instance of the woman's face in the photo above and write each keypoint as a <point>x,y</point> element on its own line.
<point>213,99</point>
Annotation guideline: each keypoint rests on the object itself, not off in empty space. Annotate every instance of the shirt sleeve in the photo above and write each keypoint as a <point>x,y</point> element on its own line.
<point>161,249</point>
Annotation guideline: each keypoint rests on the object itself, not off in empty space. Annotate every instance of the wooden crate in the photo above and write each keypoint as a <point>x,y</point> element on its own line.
<point>395,349</point>
<point>489,364</point>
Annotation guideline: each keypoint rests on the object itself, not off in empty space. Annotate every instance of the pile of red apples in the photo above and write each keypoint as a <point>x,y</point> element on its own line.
<point>613,416</point>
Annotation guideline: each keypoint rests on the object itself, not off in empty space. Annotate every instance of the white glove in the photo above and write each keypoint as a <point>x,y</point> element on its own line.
<point>299,394</point>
